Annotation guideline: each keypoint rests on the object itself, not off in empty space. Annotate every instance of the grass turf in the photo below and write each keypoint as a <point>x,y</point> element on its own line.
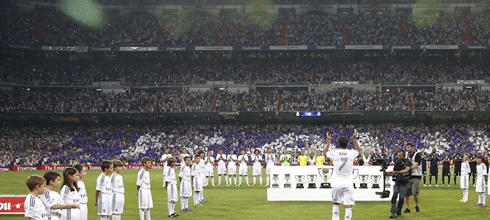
<point>251,202</point>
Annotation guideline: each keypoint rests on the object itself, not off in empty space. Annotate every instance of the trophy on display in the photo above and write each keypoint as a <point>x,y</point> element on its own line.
<point>355,172</point>
<point>275,177</point>
<point>287,177</point>
<point>366,156</point>
<point>376,179</point>
<point>312,184</point>
<point>300,178</point>
<point>325,173</point>
<point>293,156</point>
<point>364,178</point>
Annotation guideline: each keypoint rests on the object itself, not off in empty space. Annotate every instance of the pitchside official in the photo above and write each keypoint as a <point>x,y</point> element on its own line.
<point>413,187</point>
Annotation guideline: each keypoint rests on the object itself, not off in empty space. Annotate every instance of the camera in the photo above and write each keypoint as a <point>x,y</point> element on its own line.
<point>385,163</point>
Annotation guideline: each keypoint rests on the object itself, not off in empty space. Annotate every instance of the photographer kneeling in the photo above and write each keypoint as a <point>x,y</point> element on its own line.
<point>401,176</point>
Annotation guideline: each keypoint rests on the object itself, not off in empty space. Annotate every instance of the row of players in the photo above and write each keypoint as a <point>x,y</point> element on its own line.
<point>227,165</point>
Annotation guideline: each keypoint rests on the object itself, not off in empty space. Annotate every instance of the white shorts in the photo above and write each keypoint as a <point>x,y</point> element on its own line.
<point>464,181</point>
<point>117,203</point>
<point>145,201</point>
<point>104,204</point>
<point>243,171</point>
<point>257,171</point>
<point>54,218</point>
<point>197,184</point>
<point>83,212</point>
<point>268,169</point>
<point>172,193</point>
<point>480,185</point>
<point>185,189</point>
<point>70,214</point>
<point>221,170</point>
<point>231,170</point>
<point>343,195</point>
<point>209,171</point>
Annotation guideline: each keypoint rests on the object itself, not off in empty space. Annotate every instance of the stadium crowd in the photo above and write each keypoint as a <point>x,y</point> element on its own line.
<point>140,28</point>
<point>130,143</point>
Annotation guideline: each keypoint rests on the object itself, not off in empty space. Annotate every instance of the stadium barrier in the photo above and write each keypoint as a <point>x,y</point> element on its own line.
<point>126,167</point>
<point>11,204</point>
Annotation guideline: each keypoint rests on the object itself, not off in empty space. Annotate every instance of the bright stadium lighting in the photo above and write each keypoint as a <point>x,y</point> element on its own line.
<point>85,12</point>
<point>424,16</point>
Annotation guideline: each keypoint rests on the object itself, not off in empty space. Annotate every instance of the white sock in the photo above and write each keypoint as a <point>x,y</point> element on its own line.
<point>335,212</point>
<point>212,180</point>
<point>348,213</point>
<point>235,180</point>
<point>201,195</point>
<point>182,203</point>
<point>254,179</point>
<point>229,179</point>
<point>484,198</point>
<point>246,179</point>
<point>219,180</point>
<point>148,216</point>
<point>142,214</point>
<point>479,198</point>
<point>260,180</point>
<point>465,194</point>
<point>196,198</point>
<point>241,177</point>
<point>186,202</point>
<point>116,217</point>
<point>104,217</point>
<point>267,180</point>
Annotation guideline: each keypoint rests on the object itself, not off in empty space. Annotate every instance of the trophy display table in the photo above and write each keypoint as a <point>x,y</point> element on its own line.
<point>312,183</point>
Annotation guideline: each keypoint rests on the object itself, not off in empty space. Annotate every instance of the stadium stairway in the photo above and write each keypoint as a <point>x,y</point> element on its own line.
<point>436,71</point>
<point>254,74</point>
<point>410,103</point>
<point>345,104</point>
<point>375,73</point>
<point>467,30</point>
<point>284,30</point>
<point>82,82</point>
<point>313,81</point>
<point>279,104</point>
<point>200,4</point>
<point>477,105</point>
<point>345,34</point>
<point>213,107</point>
<point>258,3</point>
<point>162,31</point>
<point>374,3</point>
<point>40,30</point>
<point>224,32</point>
<point>405,30</point>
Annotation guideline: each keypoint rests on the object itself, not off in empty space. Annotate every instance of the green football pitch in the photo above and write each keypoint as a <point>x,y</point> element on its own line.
<point>251,202</point>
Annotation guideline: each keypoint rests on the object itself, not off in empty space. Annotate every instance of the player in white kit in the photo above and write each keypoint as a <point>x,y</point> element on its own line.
<point>257,167</point>
<point>171,185</point>
<point>202,171</point>
<point>481,176</point>
<point>342,182</point>
<point>143,185</point>
<point>33,207</point>
<point>52,199</point>
<point>69,194</point>
<point>163,159</point>
<point>221,159</point>
<point>103,193</point>
<point>185,185</point>
<point>117,183</point>
<point>197,181</point>
<point>208,163</point>
<point>231,159</point>
<point>243,169</point>
<point>464,182</point>
<point>83,192</point>
<point>270,158</point>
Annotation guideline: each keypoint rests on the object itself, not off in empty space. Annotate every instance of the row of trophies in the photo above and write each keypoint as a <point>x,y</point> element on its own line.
<point>325,174</point>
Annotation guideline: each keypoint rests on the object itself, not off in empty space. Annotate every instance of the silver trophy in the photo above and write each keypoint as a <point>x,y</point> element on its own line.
<point>325,173</point>
<point>376,179</point>
<point>300,178</point>
<point>364,178</point>
<point>287,177</point>
<point>366,156</point>
<point>275,177</point>
<point>355,172</point>
<point>312,179</point>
